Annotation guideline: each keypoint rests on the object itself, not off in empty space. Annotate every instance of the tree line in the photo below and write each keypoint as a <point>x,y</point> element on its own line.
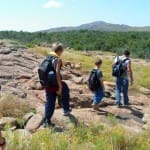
<point>137,42</point>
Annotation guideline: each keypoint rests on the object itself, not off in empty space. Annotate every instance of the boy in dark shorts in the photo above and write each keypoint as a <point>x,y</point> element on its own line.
<point>61,89</point>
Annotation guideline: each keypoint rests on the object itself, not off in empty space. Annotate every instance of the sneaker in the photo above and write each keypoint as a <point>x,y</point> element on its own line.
<point>127,104</point>
<point>50,124</point>
<point>67,112</point>
<point>119,104</point>
<point>95,106</point>
<point>44,125</point>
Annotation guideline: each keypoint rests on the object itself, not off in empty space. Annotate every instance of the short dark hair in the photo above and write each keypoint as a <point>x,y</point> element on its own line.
<point>98,61</point>
<point>126,53</point>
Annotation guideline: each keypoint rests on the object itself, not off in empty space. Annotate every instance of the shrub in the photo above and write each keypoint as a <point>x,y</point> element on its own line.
<point>11,106</point>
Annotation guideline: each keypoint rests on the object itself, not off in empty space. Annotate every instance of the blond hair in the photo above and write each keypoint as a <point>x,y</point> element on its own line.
<point>57,47</point>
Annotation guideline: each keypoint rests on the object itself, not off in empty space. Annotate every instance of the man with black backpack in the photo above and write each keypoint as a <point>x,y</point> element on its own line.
<point>122,71</point>
<point>95,84</point>
<point>51,80</point>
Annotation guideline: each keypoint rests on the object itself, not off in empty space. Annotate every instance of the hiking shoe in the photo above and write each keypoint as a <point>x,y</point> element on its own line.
<point>44,125</point>
<point>50,124</point>
<point>95,106</point>
<point>119,105</point>
<point>67,112</point>
<point>127,104</point>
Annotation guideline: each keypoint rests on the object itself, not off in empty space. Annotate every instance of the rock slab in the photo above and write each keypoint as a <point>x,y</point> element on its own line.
<point>34,123</point>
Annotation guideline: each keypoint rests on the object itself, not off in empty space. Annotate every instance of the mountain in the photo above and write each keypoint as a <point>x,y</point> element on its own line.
<point>100,26</point>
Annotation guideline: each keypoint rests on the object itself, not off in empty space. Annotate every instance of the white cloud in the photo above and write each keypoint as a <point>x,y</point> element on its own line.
<point>52,4</point>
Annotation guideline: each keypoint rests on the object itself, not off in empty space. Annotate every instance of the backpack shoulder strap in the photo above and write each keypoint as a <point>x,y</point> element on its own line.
<point>96,72</point>
<point>51,59</point>
<point>125,60</point>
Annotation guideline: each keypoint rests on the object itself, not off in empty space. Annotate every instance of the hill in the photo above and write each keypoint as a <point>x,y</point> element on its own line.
<point>100,26</point>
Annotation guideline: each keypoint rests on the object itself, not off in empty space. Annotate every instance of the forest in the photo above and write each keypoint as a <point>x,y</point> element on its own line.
<point>137,42</point>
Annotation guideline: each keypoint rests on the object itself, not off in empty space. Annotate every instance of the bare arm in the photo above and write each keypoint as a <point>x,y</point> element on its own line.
<point>129,69</point>
<point>58,76</point>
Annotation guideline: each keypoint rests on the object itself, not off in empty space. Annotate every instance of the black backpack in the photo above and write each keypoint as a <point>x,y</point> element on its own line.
<point>93,81</point>
<point>47,72</point>
<point>119,68</point>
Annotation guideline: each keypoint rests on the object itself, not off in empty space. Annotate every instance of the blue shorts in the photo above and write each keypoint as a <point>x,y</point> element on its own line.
<point>98,96</point>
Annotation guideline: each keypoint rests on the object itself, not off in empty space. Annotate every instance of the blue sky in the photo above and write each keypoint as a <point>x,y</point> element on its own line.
<point>33,15</point>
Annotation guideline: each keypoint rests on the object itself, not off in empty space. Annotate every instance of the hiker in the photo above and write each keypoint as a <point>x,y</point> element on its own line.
<point>122,71</point>
<point>96,84</point>
<point>55,87</point>
<point>2,142</point>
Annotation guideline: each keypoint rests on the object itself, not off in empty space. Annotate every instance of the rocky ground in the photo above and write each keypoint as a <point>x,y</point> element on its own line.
<point>18,76</point>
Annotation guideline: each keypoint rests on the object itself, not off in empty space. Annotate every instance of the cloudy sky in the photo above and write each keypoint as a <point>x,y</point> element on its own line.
<point>34,15</point>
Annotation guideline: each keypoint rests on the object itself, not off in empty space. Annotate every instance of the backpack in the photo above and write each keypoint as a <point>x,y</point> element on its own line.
<point>119,68</point>
<point>47,72</point>
<point>93,81</point>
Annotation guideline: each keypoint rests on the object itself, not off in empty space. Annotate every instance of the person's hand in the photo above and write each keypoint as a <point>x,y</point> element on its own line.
<point>59,92</point>
<point>132,82</point>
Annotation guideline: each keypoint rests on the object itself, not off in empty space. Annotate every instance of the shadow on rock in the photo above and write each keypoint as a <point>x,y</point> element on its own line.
<point>73,120</point>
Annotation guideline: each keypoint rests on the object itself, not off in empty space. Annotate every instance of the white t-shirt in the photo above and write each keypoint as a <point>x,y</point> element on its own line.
<point>122,58</point>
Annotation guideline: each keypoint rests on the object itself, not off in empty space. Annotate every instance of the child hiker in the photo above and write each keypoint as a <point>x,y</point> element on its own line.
<point>96,84</point>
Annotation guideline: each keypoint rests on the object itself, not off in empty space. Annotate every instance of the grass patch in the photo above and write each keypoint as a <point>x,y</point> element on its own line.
<point>42,51</point>
<point>11,106</point>
<point>88,62</point>
<point>142,75</point>
<point>89,138</point>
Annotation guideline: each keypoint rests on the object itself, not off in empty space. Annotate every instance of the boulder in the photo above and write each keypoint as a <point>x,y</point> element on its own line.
<point>81,101</point>
<point>38,86</point>
<point>66,76</point>
<point>146,118</point>
<point>5,51</point>
<point>7,121</point>
<point>35,70</point>
<point>67,64</point>
<point>146,126</point>
<point>33,85</point>
<point>144,91</point>
<point>77,80</point>
<point>76,73</point>
<point>111,84</point>
<point>68,122</point>
<point>6,63</point>
<point>40,110</point>
<point>34,123</point>
<point>78,66</point>
<point>109,88</point>
<point>15,91</point>
<point>27,116</point>
<point>85,79</point>
<point>24,76</point>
